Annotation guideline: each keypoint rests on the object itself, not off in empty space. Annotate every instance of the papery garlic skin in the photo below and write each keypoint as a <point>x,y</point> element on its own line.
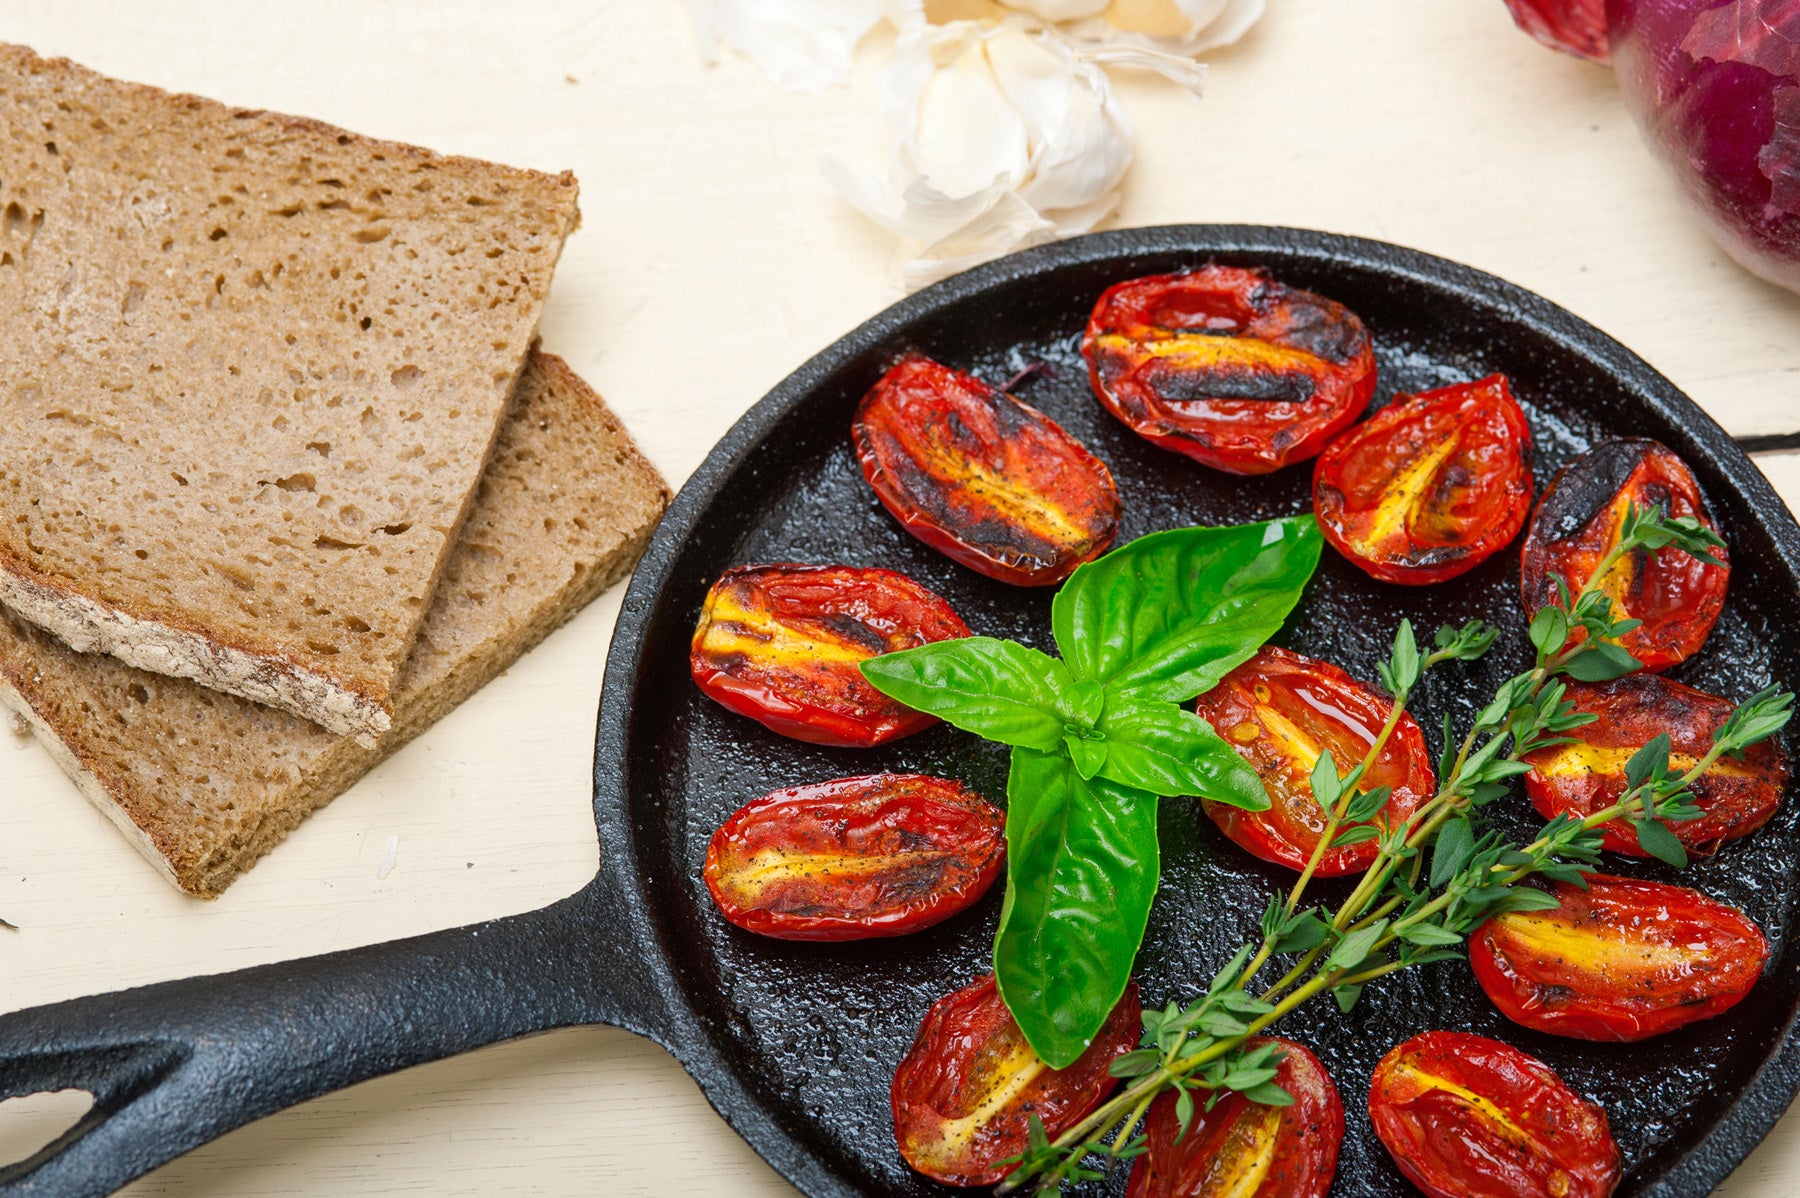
<point>801,45</point>
<point>1180,27</point>
<point>1004,138</point>
<point>1060,10</point>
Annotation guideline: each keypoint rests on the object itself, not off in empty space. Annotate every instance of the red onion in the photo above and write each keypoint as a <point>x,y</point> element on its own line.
<point>1576,27</point>
<point>1715,88</point>
<point>1714,85</point>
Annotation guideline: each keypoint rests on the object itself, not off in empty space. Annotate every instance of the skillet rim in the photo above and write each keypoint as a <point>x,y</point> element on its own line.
<point>1739,1126</point>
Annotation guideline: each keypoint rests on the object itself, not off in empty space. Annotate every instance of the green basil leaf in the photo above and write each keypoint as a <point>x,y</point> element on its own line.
<point>1089,756</point>
<point>1082,702</point>
<point>1081,871</point>
<point>1346,997</point>
<point>1168,615</point>
<point>996,689</point>
<point>1355,834</point>
<point>1168,750</point>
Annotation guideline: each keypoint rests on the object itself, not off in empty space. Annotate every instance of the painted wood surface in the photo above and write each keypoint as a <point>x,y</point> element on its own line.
<point>712,259</point>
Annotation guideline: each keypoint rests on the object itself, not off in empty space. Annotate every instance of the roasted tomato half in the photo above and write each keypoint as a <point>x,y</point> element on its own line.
<point>1737,794</point>
<point>1675,594</point>
<point>781,644</point>
<point>1228,366</point>
<point>1281,711</point>
<point>1621,960</point>
<point>1429,487</point>
<point>1469,1117</point>
<point>982,478</point>
<point>855,858</point>
<point>965,1092</point>
<point>1240,1149</point>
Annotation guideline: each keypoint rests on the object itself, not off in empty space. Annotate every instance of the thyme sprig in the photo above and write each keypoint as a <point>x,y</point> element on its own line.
<point>1436,876</point>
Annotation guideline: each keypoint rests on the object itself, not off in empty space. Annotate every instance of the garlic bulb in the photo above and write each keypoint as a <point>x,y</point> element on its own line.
<point>1004,138</point>
<point>801,45</point>
<point>1006,133</point>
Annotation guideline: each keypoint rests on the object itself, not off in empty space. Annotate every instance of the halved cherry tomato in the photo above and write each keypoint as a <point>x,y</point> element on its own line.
<point>982,478</point>
<point>1240,1149</point>
<point>1738,795</point>
<point>1281,711</point>
<point>781,644</point>
<point>1469,1117</point>
<point>855,858</point>
<point>1676,595</point>
<point>1621,960</point>
<point>1228,366</point>
<point>965,1092</point>
<point>1429,487</point>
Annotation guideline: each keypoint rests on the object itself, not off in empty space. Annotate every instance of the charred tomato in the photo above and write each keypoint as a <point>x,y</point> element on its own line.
<point>1241,1149</point>
<point>1228,366</point>
<point>982,478</point>
<point>1429,487</point>
<point>1622,960</point>
<point>1737,794</point>
<point>1281,711</point>
<point>966,1090</point>
<point>1676,595</point>
<point>855,858</point>
<point>1464,1116</point>
<point>781,644</point>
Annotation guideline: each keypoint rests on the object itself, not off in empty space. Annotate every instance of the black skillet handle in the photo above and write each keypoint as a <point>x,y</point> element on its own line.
<point>174,1065</point>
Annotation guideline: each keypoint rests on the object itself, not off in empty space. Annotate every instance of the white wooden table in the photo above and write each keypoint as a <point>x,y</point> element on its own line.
<point>711,261</point>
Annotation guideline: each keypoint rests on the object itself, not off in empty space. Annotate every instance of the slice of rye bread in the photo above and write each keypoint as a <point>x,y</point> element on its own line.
<point>253,369</point>
<point>205,783</point>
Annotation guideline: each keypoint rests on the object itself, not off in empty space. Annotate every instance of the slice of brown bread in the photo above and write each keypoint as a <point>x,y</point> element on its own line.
<point>206,783</point>
<point>253,368</point>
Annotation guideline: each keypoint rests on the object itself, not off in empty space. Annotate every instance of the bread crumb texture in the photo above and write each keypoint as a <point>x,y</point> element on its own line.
<point>254,367</point>
<point>206,783</point>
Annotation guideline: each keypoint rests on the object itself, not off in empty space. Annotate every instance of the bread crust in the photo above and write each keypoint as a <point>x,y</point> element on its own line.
<point>14,56</point>
<point>168,643</point>
<point>114,356</point>
<point>204,784</point>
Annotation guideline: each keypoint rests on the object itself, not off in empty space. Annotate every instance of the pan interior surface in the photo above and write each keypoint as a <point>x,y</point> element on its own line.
<point>811,1033</point>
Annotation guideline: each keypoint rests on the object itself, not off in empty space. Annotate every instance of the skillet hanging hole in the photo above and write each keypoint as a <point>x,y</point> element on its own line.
<point>31,1123</point>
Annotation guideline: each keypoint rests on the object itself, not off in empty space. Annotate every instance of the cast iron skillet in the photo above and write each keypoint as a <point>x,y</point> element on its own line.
<point>795,1044</point>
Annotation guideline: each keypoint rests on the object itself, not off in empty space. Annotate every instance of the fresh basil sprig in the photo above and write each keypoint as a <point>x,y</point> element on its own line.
<point>1098,736</point>
<point>1082,869</point>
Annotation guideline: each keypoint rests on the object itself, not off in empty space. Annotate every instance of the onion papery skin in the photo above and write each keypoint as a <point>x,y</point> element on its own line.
<point>1715,90</point>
